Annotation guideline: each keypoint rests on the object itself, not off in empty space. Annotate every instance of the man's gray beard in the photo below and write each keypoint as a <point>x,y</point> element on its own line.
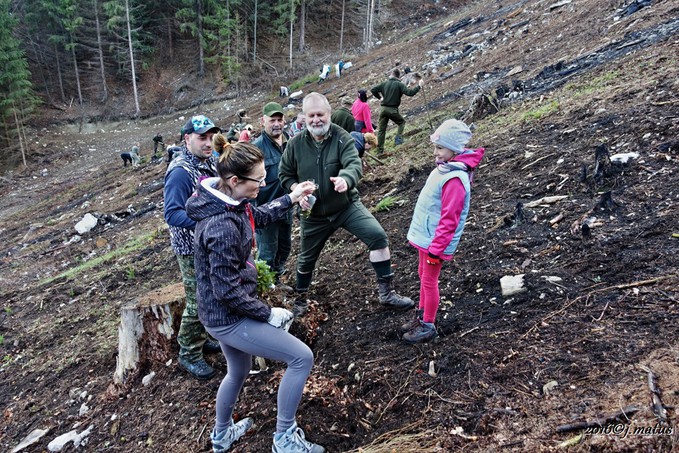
<point>317,131</point>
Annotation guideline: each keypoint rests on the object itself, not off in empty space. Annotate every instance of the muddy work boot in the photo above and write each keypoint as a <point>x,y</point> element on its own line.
<point>388,296</point>
<point>300,306</point>
<point>421,333</point>
<point>221,442</point>
<point>413,322</point>
<point>198,369</point>
<point>293,441</point>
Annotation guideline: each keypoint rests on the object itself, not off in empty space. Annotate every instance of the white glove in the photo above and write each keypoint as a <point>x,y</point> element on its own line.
<point>280,317</point>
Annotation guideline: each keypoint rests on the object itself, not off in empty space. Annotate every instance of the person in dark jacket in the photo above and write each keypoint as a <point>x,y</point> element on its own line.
<point>326,153</point>
<point>193,161</point>
<point>390,92</point>
<point>274,241</point>
<point>157,144</point>
<point>228,304</point>
<point>343,116</point>
<point>363,142</point>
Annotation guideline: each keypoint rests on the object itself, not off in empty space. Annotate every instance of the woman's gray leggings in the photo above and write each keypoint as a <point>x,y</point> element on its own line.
<point>246,338</point>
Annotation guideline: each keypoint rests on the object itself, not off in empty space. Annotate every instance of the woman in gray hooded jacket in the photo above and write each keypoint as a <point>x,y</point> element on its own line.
<point>228,305</point>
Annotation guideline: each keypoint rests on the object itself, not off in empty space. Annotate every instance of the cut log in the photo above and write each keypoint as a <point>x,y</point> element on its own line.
<point>148,332</point>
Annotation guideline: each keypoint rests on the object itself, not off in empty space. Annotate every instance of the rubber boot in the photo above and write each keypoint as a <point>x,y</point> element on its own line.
<point>388,295</point>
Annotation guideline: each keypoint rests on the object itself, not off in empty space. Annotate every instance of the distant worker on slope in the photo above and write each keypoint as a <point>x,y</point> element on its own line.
<point>325,71</point>
<point>157,142</point>
<point>132,156</point>
<point>342,116</point>
<point>390,92</point>
<point>297,125</point>
<point>363,142</point>
<point>360,110</point>
<point>246,134</point>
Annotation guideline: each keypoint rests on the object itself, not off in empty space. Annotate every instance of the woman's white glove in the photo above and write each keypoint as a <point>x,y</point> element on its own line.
<point>301,190</point>
<point>280,318</point>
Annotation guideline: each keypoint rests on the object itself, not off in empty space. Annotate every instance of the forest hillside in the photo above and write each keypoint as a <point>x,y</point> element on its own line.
<point>575,201</point>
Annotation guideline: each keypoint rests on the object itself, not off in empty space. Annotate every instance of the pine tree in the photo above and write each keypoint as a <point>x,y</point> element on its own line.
<point>17,99</point>
<point>125,21</point>
<point>221,32</point>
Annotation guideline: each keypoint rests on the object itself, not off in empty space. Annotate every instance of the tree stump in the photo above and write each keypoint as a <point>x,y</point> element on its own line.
<point>148,332</point>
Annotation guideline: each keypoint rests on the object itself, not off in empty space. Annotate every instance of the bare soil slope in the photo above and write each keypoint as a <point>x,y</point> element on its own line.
<point>546,84</point>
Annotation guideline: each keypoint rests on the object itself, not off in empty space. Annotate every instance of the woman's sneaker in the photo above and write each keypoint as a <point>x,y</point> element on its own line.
<point>424,331</point>
<point>221,442</point>
<point>293,441</point>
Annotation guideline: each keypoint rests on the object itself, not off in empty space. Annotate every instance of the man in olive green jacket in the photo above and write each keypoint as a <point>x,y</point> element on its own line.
<point>343,117</point>
<point>325,153</point>
<point>390,92</point>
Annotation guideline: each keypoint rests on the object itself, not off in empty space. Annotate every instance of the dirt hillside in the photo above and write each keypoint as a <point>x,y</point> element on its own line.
<point>560,93</point>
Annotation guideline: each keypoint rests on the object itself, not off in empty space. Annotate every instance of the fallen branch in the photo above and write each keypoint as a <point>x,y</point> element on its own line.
<point>556,219</point>
<point>469,331</point>
<point>601,315</point>
<point>545,200</point>
<point>201,433</point>
<point>536,161</point>
<point>656,403</point>
<point>622,415</point>
<point>374,157</point>
<point>634,284</point>
<point>551,315</point>
<point>398,392</point>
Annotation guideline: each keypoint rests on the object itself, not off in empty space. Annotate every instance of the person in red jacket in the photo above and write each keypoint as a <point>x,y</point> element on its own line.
<point>246,134</point>
<point>361,112</point>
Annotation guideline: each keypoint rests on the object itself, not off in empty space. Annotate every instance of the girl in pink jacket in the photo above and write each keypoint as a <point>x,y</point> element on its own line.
<point>361,112</point>
<point>438,220</point>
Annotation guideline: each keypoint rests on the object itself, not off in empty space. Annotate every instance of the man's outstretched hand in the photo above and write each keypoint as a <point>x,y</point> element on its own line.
<point>341,185</point>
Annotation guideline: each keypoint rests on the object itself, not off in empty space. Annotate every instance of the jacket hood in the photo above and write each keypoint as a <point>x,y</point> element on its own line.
<point>207,201</point>
<point>470,157</point>
<point>467,161</point>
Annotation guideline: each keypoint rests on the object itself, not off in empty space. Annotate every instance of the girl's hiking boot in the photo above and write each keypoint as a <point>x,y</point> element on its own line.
<point>421,333</point>
<point>293,441</point>
<point>413,322</point>
<point>221,442</point>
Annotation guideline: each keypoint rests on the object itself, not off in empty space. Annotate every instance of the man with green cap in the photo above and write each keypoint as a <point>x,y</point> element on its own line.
<point>274,241</point>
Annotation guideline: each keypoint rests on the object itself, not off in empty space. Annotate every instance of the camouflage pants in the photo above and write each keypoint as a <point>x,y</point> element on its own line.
<point>192,334</point>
